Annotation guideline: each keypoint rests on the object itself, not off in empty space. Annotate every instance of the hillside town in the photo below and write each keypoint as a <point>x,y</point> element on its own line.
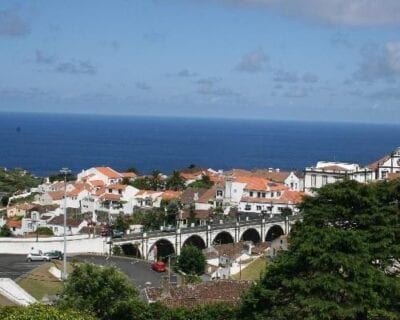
<point>154,217</point>
<point>99,195</point>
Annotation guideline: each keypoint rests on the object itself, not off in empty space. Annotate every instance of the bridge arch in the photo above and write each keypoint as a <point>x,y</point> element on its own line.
<point>161,249</point>
<point>223,237</point>
<point>251,234</point>
<point>274,232</point>
<point>131,249</point>
<point>195,240</point>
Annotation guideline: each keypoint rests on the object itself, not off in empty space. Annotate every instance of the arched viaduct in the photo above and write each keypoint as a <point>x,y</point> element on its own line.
<point>155,244</point>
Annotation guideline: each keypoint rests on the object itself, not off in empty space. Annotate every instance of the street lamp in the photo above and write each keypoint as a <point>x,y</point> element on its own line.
<point>65,172</point>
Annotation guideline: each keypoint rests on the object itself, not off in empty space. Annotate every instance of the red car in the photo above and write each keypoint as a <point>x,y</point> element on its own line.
<point>158,266</point>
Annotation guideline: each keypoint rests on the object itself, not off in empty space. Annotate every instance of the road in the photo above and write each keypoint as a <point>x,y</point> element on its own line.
<point>139,271</point>
<point>15,265</point>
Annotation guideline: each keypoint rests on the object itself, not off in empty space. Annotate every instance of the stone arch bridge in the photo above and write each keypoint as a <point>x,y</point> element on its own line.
<point>155,244</point>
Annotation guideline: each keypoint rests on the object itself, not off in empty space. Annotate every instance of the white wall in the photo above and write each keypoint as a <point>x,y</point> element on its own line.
<point>75,244</point>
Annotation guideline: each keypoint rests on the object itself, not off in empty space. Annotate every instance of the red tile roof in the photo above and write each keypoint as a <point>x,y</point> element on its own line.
<point>129,174</point>
<point>56,195</point>
<point>116,186</point>
<point>226,291</point>
<point>14,224</point>
<point>109,172</point>
<point>110,196</point>
<point>170,194</point>
<point>59,221</point>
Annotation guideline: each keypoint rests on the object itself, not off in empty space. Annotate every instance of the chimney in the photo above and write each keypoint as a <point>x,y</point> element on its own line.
<point>196,196</point>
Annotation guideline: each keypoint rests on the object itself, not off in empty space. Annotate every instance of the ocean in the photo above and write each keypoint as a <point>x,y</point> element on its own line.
<point>44,143</point>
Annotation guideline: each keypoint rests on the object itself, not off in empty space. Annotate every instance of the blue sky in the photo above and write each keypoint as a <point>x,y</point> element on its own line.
<point>332,60</point>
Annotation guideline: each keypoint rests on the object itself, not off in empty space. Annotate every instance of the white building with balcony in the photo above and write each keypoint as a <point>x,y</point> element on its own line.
<point>330,172</point>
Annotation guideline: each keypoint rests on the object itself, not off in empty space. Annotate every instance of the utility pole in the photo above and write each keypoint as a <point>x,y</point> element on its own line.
<point>65,172</point>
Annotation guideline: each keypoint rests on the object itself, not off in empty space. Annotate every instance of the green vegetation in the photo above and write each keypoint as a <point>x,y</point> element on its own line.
<point>15,180</point>
<point>254,271</point>
<point>103,291</point>
<point>40,282</point>
<point>340,259</point>
<point>204,182</point>
<point>60,177</point>
<point>191,261</point>
<point>41,312</point>
<point>175,182</point>
<point>44,231</point>
<point>5,231</point>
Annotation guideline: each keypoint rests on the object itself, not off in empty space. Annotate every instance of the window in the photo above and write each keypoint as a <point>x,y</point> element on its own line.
<point>258,208</point>
<point>263,194</point>
<point>251,193</point>
<point>270,208</point>
<point>247,207</point>
<point>324,180</point>
<point>313,180</point>
<point>278,194</point>
<point>258,194</point>
<point>120,191</point>
<point>272,194</point>
<point>219,193</point>
<point>291,185</point>
<point>109,190</point>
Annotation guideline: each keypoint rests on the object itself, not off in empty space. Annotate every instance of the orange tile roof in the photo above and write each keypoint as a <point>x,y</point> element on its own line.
<point>116,186</point>
<point>110,196</point>
<point>56,195</point>
<point>147,192</point>
<point>129,174</point>
<point>97,183</point>
<point>14,223</point>
<point>109,172</point>
<point>169,194</point>
<point>208,195</point>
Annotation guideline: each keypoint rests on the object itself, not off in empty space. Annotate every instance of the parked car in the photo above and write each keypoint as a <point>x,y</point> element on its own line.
<point>37,256</point>
<point>117,234</point>
<point>55,254</point>
<point>169,228</point>
<point>158,266</point>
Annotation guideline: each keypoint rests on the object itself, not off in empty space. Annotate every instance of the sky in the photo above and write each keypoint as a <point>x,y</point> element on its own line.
<point>317,60</point>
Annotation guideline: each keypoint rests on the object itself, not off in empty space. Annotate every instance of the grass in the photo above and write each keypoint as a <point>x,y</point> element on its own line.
<point>253,271</point>
<point>40,282</point>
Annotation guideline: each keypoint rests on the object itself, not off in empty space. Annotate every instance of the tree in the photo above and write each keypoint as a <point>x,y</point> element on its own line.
<point>339,259</point>
<point>156,183</point>
<point>41,312</point>
<point>204,182</point>
<point>121,223</point>
<point>133,170</point>
<point>175,181</point>
<point>191,260</point>
<point>103,291</point>
<point>44,231</point>
<point>5,231</point>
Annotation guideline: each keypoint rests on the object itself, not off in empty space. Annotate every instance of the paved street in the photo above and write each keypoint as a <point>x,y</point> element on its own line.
<point>14,265</point>
<point>137,270</point>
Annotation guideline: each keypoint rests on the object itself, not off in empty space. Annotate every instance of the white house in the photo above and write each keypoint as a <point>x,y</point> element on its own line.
<point>73,225</point>
<point>388,165</point>
<point>105,174</point>
<point>329,172</point>
<point>294,180</point>
<point>263,196</point>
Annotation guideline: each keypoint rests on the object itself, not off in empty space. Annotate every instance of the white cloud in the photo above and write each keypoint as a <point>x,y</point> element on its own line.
<point>252,62</point>
<point>379,63</point>
<point>339,12</point>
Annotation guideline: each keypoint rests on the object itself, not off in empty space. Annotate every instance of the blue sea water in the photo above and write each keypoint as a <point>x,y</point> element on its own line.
<point>43,143</point>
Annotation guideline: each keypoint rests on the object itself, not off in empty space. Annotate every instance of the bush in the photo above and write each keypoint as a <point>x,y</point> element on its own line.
<point>44,231</point>
<point>5,231</point>
<point>191,260</point>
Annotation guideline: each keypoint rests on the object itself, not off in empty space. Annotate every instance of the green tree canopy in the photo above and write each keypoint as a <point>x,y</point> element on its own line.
<point>191,260</point>
<point>5,231</point>
<point>41,312</point>
<point>103,291</point>
<point>204,182</point>
<point>175,182</point>
<point>339,259</point>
